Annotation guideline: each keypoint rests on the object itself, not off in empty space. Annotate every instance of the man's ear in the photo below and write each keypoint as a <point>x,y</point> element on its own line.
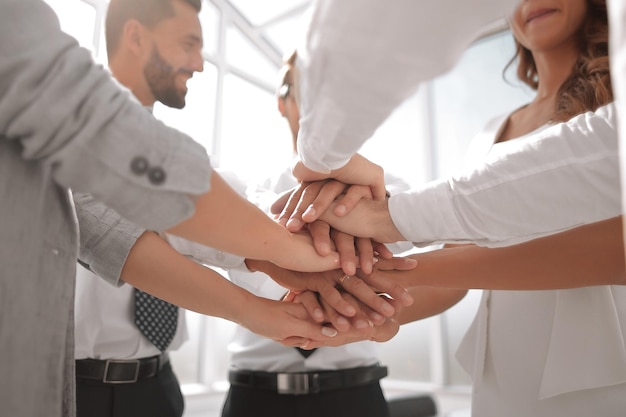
<point>134,36</point>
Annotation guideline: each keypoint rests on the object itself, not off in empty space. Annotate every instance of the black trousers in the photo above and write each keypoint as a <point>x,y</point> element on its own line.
<point>362,401</point>
<point>159,396</point>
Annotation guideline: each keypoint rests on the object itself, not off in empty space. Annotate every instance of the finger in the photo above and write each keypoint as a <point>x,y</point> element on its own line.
<point>347,254</point>
<point>278,205</point>
<point>401,263</point>
<point>320,233</point>
<point>341,323</point>
<point>327,194</point>
<point>312,305</point>
<point>364,293</point>
<point>366,253</point>
<point>382,250</point>
<point>309,193</point>
<point>293,341</point>
<point>333,298</point>
<point>292,202</point>
<point>387,285</point>
<point>352,196</point>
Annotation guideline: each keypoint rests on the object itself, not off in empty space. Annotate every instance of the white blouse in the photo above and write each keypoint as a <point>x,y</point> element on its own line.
<point>546,353</point>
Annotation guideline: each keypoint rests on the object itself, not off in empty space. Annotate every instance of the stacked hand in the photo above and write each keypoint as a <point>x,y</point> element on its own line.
<point>352,305</point>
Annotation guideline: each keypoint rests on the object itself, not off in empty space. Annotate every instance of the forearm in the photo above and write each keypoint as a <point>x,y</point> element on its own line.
<point>429,301</point>
<point>226,221</point>
<point>155,267</point>
<point>586,256</point>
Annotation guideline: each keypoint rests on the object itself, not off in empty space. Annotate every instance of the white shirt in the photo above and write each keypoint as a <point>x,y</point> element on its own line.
<point>105,315</point>
<point>556,353</point>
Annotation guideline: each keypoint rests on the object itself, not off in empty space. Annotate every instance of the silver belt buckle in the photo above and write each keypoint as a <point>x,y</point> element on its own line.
<point>125,381</point>
<point>297,384</point>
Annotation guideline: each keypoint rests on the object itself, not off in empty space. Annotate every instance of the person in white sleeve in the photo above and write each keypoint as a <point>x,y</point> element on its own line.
<point>544,343</point>
<point>331,131</point>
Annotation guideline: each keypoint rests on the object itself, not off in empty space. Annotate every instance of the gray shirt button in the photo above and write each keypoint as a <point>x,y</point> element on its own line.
<point>156,175</point>
<point>139,165</point>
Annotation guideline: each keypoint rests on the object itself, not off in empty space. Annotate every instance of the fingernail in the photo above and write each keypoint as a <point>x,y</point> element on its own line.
<point>349,268</point>
<point>293,223</point>
<point>310,211</point>
<point>340,210</point>
<point>410,261</point>
<point>407,299</point>
<point>376,317</point>
<point>329,331</point>
<point>388,309</point>
<point>324,248</point>
<point>318,314</point>
<point>361,324</point>
<point>350,311</point>
<point>343,322</point>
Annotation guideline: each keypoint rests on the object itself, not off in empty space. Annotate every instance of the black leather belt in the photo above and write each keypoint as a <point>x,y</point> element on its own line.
<point>303,383</point>
<point>114,371</point>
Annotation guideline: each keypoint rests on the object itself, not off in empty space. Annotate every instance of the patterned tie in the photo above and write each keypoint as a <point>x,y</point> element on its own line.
<point>157,319</point>
<point>305,353</point>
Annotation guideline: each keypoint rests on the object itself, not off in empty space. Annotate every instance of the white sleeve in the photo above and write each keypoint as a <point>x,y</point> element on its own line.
<point>204,254</point>
<point>617,44</point>
<point>362,58</point>
<point>563,177</point>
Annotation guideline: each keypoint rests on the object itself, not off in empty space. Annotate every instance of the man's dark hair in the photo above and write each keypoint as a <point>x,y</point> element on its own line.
<point>148,12</point>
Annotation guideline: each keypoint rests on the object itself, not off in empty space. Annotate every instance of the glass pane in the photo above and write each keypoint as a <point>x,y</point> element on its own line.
<point>256,141</point>
<point>210,20</point>
<point>197,118</point>
<point>77,19</point>
<point>407,354</point>
<point>399,146</point>
<point>241,54</point>
<point>470,95</point>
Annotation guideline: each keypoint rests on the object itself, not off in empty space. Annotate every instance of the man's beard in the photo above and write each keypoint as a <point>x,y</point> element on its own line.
<point>160,77</point>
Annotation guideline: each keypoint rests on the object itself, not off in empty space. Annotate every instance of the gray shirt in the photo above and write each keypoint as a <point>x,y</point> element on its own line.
<point>65,124</point>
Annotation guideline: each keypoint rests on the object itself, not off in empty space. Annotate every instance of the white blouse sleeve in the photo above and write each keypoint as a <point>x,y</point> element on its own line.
<point>362,58</point>
<point>562,177</point>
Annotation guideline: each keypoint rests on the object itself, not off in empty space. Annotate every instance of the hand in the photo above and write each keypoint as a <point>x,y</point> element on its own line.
<point>352,251</point>
<point>300,254</point>
<point>325,283</point>
<point>374,330</point>
<point>310,199</point>
<point>358,170</point>
<point>288,323</point>
<point>369,219</point>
